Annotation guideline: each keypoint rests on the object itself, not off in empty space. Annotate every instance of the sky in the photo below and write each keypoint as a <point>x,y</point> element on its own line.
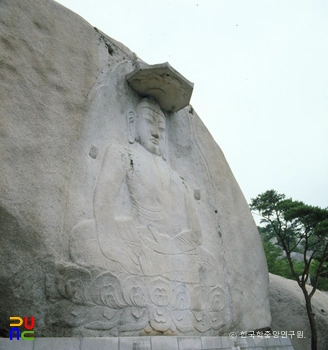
<point>260,69</point>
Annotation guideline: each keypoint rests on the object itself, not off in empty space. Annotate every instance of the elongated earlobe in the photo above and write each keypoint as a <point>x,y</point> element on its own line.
<point>163,148</point>
<point>164,155</point>
<point>131,127</point>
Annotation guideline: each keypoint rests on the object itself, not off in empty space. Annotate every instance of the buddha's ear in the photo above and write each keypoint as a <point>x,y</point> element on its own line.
<point>131,127</point>
<point>164,154</point>
<point>164,148</point>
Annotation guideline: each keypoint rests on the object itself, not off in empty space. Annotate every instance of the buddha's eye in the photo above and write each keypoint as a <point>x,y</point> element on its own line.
<point>149,121</point>
<point>161,126</point>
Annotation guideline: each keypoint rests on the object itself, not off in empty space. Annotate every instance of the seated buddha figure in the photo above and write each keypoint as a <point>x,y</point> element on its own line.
<point>145,223</point>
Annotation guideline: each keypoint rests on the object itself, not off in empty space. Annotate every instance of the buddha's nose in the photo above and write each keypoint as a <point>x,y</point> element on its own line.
<point>154,132</point>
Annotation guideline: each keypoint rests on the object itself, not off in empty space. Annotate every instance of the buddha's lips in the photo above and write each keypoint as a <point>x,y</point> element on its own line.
<point>154,141</point>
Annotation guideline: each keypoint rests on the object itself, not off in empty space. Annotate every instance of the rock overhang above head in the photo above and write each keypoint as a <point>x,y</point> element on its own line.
<point>167,86</point>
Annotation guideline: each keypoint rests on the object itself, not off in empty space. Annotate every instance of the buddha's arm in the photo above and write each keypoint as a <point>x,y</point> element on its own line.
<point>191,238</point>
<point>111,177</point>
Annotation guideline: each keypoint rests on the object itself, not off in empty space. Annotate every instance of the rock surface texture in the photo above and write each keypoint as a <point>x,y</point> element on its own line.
<point>289,313</point>
<point>117,217</point>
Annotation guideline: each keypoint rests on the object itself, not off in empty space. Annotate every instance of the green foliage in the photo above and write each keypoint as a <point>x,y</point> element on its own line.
<point>299,228</point>
<point>323,284</point>
<point>278,264</point>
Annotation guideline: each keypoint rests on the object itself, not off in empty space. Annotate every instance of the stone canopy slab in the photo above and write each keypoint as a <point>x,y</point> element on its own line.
<point>170,89</point>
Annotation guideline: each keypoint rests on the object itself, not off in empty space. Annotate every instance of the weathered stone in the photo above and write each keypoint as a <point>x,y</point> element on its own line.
<point>57,343</point>
<point>227,342</point>
<point>99,343</point>
<point>211,343</point>
<point>289,313</point>
<point>152,343</point>
<point>261,341</point>
<point>189,343</point>
<point>117,218</point>
<point>164,343</point>
<point>6,344</point>
<point>135,343</point>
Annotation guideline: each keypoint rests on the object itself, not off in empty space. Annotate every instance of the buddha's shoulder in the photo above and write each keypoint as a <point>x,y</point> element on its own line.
<point>116,148</point>
<point>116,153</point>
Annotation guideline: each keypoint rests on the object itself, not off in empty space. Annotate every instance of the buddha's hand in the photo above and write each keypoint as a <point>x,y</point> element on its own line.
<point>148,234</point>
<point>187,240</point>
<point>157,241</point>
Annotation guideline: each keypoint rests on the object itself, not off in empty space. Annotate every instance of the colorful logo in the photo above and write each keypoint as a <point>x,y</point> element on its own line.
<point>15,322</point>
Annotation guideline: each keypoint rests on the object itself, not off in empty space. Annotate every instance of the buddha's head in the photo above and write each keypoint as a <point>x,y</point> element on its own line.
<point>147,126</point>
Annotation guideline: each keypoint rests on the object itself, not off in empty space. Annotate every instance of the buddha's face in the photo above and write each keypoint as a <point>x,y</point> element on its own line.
<point>150,128</point>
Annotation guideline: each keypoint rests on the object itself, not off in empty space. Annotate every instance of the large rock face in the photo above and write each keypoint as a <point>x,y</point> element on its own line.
<point>117,217</point>
<point>289,313</point>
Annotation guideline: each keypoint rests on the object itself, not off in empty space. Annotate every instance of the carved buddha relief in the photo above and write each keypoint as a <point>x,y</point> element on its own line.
<point>145,230</point>
<point>157,232</point>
